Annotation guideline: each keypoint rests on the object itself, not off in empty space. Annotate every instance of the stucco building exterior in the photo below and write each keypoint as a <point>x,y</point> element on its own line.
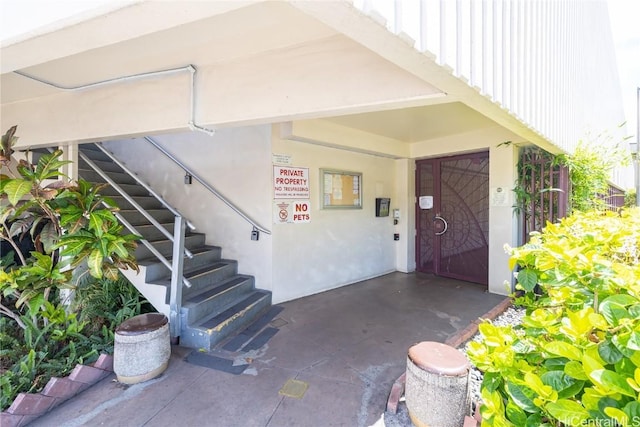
<point>413,98</point>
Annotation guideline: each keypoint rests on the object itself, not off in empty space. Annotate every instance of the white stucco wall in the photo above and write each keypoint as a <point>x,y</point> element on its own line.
<point>337,247</point>
<point>237,163</point>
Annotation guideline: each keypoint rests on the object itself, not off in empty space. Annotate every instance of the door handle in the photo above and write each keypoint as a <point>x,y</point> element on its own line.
<point>444,221</point>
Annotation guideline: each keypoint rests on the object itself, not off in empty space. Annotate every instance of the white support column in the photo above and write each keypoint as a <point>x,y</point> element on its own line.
<point>405,201</point>
<point>503,228</point>
<point>70,152</point>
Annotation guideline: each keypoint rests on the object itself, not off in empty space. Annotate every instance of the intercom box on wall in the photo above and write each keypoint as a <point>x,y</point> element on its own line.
<point>382,206</point>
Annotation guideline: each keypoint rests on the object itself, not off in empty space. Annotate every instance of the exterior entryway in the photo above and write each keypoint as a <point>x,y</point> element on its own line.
<point>452,217</point>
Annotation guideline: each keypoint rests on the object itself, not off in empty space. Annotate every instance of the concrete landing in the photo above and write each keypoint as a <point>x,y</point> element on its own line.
<point>348,346</point>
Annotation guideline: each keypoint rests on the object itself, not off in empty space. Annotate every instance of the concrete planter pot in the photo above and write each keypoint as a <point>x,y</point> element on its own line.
<point>28,406</point>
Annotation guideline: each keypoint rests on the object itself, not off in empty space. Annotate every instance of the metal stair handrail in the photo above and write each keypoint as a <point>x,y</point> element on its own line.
<point>131,200</point>
<point>180,223</point>
<point>146,186</point>
<point>212,190</point>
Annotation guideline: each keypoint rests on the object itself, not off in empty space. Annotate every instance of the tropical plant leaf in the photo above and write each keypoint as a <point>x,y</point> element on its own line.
<point>94,261</point>
<point>613,381</point>
<point>522,396</point>
<point>48,236</point>
<point>16,189</point>
<point>569,412</point>
<point>564,349</point>
<point>528,279</point>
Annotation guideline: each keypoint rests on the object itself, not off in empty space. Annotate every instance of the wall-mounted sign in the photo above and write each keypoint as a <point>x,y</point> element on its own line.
<point>281,159</point>
<point>291,211</point>
<point>290,182</point>
<point>500,196</point>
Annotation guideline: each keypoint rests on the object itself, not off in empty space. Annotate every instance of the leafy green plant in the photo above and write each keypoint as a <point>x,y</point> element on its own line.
<point>68,224</point>
<point>50,344</point>
<point>575,359</point>
<point>590,167</point>
<point>53,228</point>
<point>104,304</point>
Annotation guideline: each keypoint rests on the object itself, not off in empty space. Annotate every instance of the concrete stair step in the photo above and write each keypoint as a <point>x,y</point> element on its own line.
<point>155,270</point>
<point>146,202</point>
<point>118,177</point>
<point>107,166</point>
<point>130,189</point>
<point>211,330</point>
<point>136,218</point>
<point>151,232</point>
<point>94,153</point>
<point>215,298</point>
<point>205,277</point>
<point>165,247</point>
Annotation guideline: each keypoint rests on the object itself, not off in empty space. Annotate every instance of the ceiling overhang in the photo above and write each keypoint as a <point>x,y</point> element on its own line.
<point>258,62</point>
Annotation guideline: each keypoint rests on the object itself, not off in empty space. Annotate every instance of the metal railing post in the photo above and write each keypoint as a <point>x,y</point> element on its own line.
<point>175,299</point>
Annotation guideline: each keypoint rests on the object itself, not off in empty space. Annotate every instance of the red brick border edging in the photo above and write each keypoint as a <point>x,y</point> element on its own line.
<point>29,406</point>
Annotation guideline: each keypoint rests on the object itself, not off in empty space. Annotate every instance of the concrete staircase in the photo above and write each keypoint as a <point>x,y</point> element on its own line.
<point>219,303</point>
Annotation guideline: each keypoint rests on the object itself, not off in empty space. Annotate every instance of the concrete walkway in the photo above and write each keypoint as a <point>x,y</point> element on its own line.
<point>348,346</point>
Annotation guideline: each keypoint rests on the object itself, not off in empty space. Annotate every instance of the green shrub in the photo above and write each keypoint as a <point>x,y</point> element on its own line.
<point>53,341</point>
<point>590,167</point>
<point>52,229</point>
<point>575,359</point>
<point>103,304</point>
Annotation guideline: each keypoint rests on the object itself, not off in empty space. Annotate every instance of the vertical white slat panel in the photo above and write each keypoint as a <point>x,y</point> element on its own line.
<point>367,6</point>
<point>424,38</point>
<point>542,23</point>
<point>563,113</point>
<point>495,25</point>
<point>443,32</point>
<point>459,47</point>
<point>520,63</point>
<point>545,19</point>
<point>506,53</point>
<point>513,41</point>
<point>526,62</point>
<point>473,74</point>
<point>554,76</point>
<point>484,49</point>
<point>397,16</point>
<point>535,60</point>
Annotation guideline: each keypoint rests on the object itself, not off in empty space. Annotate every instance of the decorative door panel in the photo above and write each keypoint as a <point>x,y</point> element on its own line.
<point>452,236</point>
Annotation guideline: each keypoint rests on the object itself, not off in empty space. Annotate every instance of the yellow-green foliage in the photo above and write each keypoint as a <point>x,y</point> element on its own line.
<point>575,360</point>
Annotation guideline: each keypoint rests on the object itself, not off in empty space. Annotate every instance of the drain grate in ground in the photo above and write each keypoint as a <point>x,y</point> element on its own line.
<point>294,388</point>
<point>279,322</point>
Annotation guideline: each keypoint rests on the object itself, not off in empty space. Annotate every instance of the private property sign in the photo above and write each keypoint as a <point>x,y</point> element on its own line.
<point>291,211</point>
<point>290,182</point>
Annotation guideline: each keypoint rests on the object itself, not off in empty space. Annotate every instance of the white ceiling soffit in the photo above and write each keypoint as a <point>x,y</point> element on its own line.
<point>222,37</point>
<point>162,35</point>
<point>418,123</point>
